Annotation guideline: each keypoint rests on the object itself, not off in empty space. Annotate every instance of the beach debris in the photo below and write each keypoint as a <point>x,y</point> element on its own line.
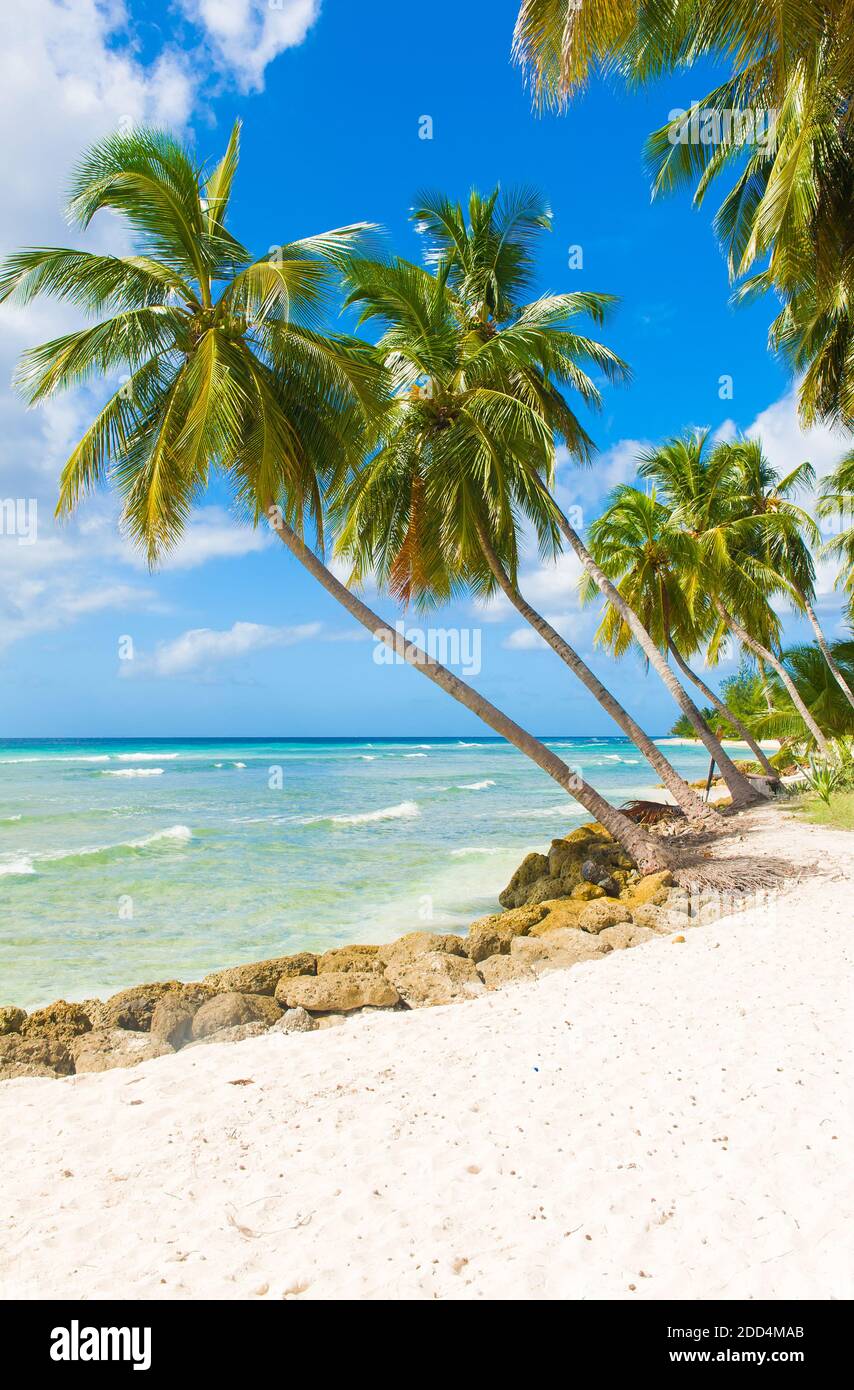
<point>652,812</point>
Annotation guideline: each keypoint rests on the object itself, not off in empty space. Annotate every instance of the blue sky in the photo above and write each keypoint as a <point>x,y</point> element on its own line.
<point>232,637</point>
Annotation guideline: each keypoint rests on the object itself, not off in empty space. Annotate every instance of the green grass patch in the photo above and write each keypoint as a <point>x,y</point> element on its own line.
<point>839,814</point>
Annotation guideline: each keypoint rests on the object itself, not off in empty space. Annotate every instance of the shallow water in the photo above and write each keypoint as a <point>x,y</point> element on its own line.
<point>129,861</point>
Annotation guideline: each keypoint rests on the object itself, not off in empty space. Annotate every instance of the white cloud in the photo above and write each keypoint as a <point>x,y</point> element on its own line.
<point>204,648</point>
<point>245,36</point>
<point>583,486</point>
<point>787,444</point>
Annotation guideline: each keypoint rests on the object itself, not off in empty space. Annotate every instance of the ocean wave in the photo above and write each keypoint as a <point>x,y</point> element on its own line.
<point>460,744</point>
<point>8,820</point>
<point>133,772</point>
<point>145,757</point>
<point>20,865</point>
<point>406,810</point>
<point>544,812</point>
<point>616,758</point>
<point>238,764</point>
<point>30,864</point>
<point>469,850</point>
<point>413,755</point>
<point>365,758</point>
<point>475,786</point>
<point>62,758</point>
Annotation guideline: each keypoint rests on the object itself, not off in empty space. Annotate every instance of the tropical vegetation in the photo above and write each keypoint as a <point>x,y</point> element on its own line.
<point>776,131</point>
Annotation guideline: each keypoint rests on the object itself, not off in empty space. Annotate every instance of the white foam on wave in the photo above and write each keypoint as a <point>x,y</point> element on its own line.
<point>414,755</point>
<point>238,764</point>
<point>468,851</point>
<point>24,864</point>
<point>7,820</point>
<point>133,772</point>
<point>62,758</point>
<point>406,810</point>
<point>365,758</point>
<point>460,744</point>
<point>146,757</point>
<point>475,786</point>
<point>20,865</point>
<point>544,812</point>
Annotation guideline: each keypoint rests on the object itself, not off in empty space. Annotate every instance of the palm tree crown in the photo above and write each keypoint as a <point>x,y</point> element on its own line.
<point>225,367</point>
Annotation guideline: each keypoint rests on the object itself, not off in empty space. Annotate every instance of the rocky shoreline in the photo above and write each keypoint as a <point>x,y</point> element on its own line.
<point>582,900</point>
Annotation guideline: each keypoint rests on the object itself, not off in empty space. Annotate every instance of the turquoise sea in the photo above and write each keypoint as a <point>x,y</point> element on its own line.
<point>125,861</point>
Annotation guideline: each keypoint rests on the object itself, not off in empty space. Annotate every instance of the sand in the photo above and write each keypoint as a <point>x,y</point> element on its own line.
<point>674,1121</point>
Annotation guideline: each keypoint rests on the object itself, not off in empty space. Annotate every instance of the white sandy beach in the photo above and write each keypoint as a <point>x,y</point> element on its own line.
<point>674,1121</point>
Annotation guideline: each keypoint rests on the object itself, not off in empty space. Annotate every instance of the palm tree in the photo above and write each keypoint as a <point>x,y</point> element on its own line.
<point>228,374</point>
<point>784,531</point>
<point>808,669</point>
<point>700,487</point>
<point>487,268</point>
<point>779,124</point>
<point>645,555</point>
<point>836,501</point>
<point>467,445</point>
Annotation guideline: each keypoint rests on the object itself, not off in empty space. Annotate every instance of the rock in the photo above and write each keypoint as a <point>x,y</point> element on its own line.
<point>490,936</point>
<point>364,959</point>
<point>435,978</point>
<point>339,991</point>
<point>11,1019</point>
<point>295,1021</point>
<point>586,892</point>
<point>330,1020</point>
<point>133,1008</point>
<point>61,1019</point>
<point>45,1051</point>
<point>96,1012</point>
<point>604,913</point>
<point>237,1033</point>
<point>647,888</point>
<point>419,943</point>
<point>261,976</point>
<point>500,970</point>
<point>625,934</point>
<point>556,951</point>
<point>10,1070</point>
<point>533,866</point>
<point>562,912</point>
<point>659,919</point>
<point>228,1010</point>
<point>106,1048</point>
<point>546,888</point>
<point>172,1020</point>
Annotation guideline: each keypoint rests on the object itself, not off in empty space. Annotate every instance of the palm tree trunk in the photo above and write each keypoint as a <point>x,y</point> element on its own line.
<point>741,791</point>
<point>794,694</point>
<point>684,796</point>
<point>649,853</point>
<point>725,711</point>
<point>769,703</point>
<point>825,650</point>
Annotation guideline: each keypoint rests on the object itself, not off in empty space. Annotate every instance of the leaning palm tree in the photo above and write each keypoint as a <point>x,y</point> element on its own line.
<point>778,126</point>
<point>785,533</point>
<point>466,449</point>
<point>486,268</point>
<point>227,373</point>
<point>645,555</point>
<point>723,558</point>
<point>836,504</point>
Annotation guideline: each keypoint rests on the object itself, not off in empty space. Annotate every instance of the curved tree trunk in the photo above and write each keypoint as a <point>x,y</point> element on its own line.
<point>685,797</point>
<point>725,711</point>
<point>649,853</point>
<point>794,694</point>
<point>741,791</point>
<point>826,652</point>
